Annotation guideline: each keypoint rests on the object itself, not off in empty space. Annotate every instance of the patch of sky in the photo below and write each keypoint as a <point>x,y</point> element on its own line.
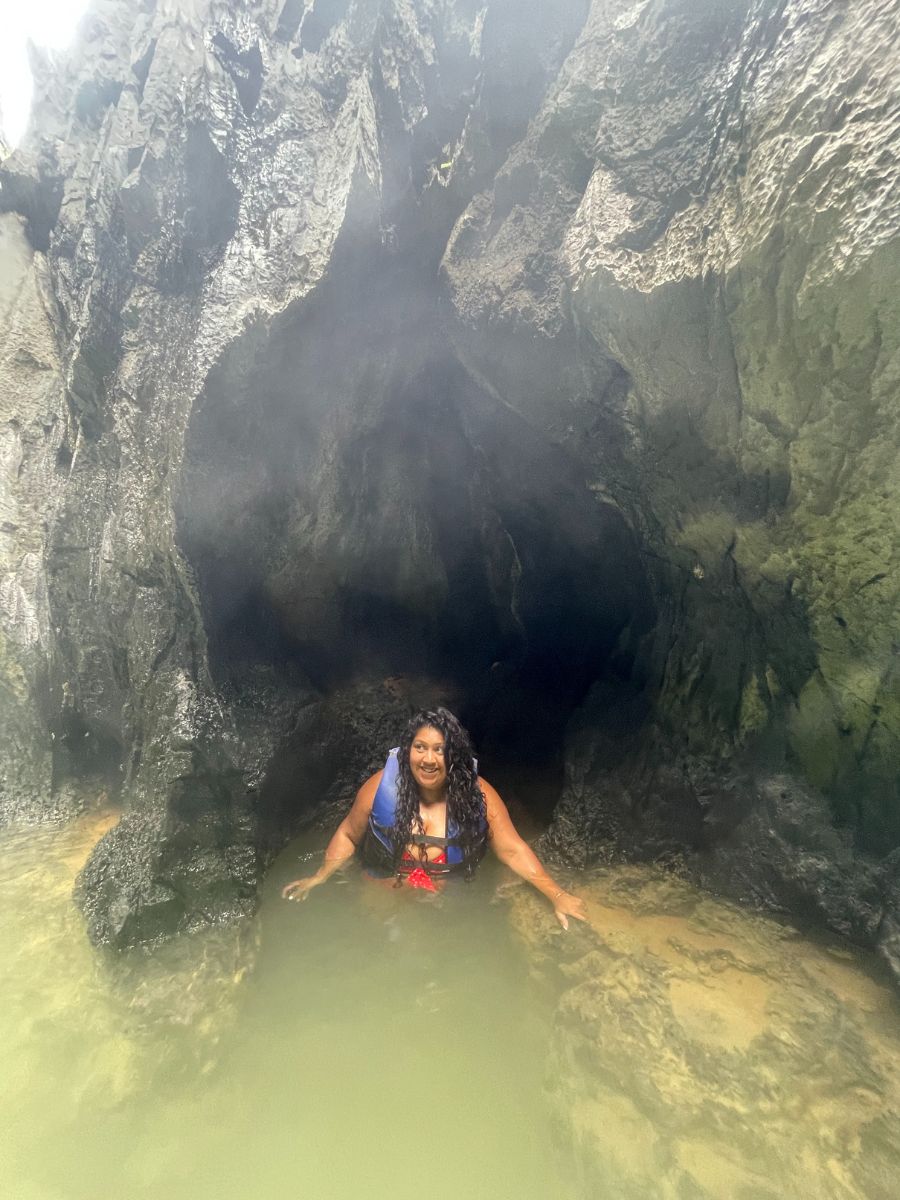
<point>49,25</point>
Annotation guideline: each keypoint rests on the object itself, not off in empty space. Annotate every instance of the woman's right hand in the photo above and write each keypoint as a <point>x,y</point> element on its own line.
<point>300,888</point>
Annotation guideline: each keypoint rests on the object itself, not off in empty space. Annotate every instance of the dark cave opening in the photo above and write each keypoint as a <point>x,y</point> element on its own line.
<point>356,507</point>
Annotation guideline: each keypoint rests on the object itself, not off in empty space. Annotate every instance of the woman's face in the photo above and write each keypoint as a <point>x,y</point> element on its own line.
<point>426,759</point>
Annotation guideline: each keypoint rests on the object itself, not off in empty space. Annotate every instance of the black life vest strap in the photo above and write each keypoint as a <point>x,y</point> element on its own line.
<point>422,839</point>
<point>427,839</point>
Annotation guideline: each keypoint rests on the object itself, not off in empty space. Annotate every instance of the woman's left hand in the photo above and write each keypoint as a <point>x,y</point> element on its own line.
<point>565,905</point>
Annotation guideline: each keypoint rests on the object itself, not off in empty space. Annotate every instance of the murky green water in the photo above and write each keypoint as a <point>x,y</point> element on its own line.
<point>386,1044</point>
<point>395,1044</point>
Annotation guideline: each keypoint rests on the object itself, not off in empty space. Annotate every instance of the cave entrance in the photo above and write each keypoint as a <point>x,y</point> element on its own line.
<point>356,506</point>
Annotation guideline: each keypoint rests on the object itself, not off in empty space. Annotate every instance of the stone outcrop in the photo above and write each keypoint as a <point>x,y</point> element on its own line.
<point>548,353</point>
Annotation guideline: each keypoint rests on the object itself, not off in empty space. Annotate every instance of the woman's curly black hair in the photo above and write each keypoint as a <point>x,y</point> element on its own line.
<point>465,799</point>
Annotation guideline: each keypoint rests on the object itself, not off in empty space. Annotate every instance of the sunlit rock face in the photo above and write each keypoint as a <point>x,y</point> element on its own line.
<point>546,355</point>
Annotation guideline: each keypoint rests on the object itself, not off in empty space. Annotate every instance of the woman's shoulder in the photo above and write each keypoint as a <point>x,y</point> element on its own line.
<point>365,797</point>
<point>372,783</point>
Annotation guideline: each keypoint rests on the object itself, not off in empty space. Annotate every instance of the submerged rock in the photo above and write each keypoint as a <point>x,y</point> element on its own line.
<point>698,1050</point>
<point>103,1027</point>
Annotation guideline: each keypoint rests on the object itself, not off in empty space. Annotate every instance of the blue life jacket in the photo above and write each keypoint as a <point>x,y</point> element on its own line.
<point>379,848</point>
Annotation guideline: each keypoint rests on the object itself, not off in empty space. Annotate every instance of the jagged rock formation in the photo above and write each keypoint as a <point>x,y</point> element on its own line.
<point>535,352</point>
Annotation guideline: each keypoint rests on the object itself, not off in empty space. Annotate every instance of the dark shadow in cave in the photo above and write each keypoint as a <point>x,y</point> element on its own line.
<point>355,506</point>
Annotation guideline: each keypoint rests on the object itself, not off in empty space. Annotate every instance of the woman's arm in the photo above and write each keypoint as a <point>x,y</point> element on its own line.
<point>519,857</point>
<point>343,844</point>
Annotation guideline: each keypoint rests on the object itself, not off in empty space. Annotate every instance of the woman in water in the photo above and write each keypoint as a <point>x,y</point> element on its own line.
<point>428,814</point>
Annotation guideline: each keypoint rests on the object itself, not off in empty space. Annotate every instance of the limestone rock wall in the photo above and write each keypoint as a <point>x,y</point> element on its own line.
<point>708,197</point>
<point>33,458</point>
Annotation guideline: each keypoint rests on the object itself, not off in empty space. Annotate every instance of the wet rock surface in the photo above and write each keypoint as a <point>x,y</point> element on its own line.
<point>764,839</point>
<point>699,1050</point>
<point>546,354</point>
